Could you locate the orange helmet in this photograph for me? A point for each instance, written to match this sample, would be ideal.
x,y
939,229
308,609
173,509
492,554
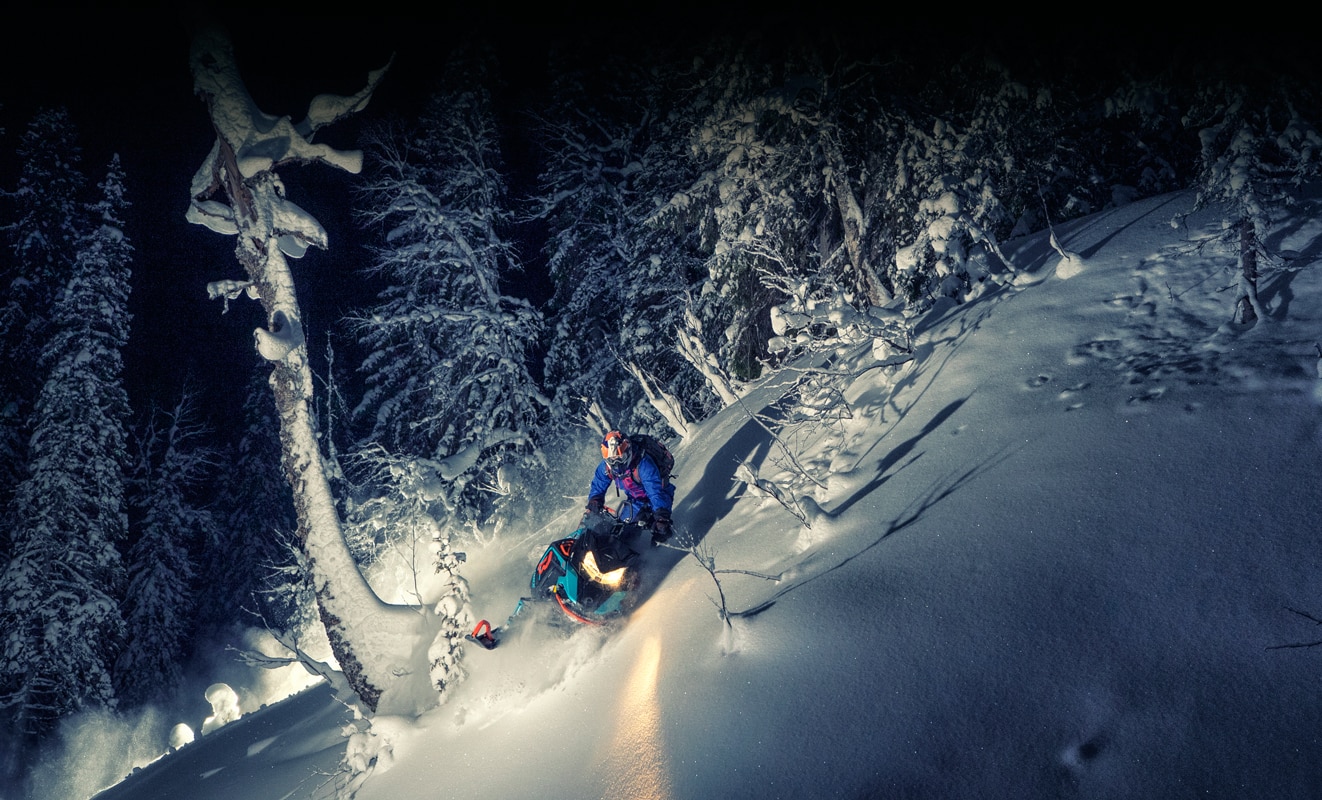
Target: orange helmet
x,y
615,449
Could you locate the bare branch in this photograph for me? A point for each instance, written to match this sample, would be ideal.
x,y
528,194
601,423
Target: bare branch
x,y
789,454
763,576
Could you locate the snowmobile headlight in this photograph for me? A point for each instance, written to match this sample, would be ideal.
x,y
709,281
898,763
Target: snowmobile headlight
x,y
594,572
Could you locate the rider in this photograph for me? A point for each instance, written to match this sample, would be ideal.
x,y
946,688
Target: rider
x,y
636,475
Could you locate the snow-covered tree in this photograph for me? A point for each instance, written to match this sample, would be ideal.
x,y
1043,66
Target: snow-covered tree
x,y
447,371
975,154
246,566
750,212
40,233
784,195
238,191
172,461
1258,147
1131,132
612,139
400,520
62,625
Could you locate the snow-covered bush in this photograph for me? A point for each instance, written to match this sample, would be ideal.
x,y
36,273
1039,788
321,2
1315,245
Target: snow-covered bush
x,y
826,320
1258,147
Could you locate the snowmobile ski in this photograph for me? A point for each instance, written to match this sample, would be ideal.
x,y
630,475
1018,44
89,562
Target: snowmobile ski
x,y
484,635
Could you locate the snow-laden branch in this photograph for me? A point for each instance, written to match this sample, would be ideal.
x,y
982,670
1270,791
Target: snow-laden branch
x,y
298,655
689,344
257,142
747,474
261,141
817,319
277,342
665,403
595,417
230,290
327,109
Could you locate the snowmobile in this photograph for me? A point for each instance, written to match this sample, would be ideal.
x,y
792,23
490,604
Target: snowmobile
x,y
591,574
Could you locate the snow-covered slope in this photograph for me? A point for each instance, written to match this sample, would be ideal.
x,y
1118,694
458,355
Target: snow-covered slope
x,y
1054,557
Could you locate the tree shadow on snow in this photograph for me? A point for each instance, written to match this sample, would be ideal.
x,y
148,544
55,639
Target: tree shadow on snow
x,y
896,454
695,513
697,519
912,512
698,512
1033,252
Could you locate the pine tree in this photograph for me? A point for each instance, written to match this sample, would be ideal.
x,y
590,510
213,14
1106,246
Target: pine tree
x,y
400,519
1126,142
787,146
62,622
247,565
44,230
975,153
447,370
41,238
749,215
172,463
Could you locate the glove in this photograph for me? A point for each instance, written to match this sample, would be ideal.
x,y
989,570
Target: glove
x,y
596,504
661,527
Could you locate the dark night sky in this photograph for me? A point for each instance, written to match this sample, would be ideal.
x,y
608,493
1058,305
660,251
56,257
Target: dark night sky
x,y
124,77
125,80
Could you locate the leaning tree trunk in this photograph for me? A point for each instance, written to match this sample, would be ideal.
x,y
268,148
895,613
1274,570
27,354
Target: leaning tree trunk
x,y
237,191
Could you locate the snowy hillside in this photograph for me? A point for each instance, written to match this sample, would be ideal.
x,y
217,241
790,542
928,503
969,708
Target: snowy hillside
x,y
1054,556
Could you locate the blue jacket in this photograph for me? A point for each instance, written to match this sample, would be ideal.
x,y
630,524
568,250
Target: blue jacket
x,y
646,487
